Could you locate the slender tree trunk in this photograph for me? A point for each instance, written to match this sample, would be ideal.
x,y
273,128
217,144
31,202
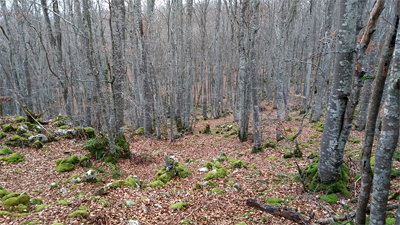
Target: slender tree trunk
x,y
117,20
243,132
188,69
255,10
387,142
373,110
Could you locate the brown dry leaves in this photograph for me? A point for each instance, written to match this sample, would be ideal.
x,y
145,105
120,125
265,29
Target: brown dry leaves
x,y
38,172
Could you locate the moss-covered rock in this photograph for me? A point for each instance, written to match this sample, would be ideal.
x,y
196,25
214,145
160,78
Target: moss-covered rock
x,y
3,193
139,131
64,165
9,128
5,150
14,158
217,191
21,130
37,145
132,181
17,141
36,201
238,164
339,185
84,162
331,199
198,186
272,200
222,157
20,119
179,205
80,212
270,144
156,183
85,132
2,135
61,120
288,155
20,203
241,223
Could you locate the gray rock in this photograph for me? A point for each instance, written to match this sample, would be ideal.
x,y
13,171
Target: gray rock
x,y
129,203
63,190
39,137
203,169
63,132
237,187
75,180
133,222
158,206
90,176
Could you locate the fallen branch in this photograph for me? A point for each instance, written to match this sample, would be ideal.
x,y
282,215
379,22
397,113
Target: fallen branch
x,y
286,213
351,215
394,196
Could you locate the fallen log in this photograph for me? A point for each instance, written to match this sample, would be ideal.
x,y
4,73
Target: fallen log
x,y
286,213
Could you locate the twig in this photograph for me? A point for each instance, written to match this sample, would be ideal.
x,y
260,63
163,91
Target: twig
x,y
199,208
329,211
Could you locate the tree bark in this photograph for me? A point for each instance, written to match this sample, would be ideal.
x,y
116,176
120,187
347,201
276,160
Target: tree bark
x,y
330,161
387,142
373,110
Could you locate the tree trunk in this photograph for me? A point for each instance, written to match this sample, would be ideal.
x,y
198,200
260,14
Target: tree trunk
x,y
387,142
330,161
243,132
117,20
253,71
373,110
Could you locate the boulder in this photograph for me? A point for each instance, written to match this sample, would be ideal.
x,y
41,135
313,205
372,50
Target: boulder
x,y
39,137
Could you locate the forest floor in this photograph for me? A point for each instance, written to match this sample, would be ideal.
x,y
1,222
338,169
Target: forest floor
x,y
267,174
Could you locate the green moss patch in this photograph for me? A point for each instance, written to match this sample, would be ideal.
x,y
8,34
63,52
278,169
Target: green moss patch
x,y
63,202
272,200
9,128
128,182
270,144
198,186
217,191
80,212
163,176
5,150
2,135
139,131
318,126
84,162
64,165
36,201
85,132
20,203
339,185
40,208
331,199
38,144
179,205
14,158
238,164
61,120
218,171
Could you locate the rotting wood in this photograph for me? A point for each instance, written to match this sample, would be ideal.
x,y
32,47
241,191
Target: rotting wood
x,y
286,213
